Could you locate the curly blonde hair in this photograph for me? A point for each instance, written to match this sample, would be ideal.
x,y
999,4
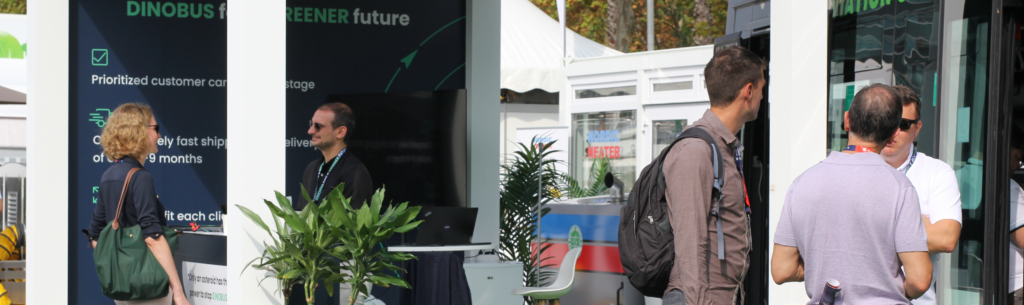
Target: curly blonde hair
x,y
125,132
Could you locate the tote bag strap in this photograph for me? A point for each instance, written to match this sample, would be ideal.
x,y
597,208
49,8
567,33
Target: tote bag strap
x,y
124,190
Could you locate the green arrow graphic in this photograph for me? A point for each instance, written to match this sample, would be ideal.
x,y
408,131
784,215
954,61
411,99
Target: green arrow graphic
x,y
93,200
392,79
408,59
95,189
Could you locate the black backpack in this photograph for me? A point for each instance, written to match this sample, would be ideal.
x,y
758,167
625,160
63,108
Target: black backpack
x,y
646,244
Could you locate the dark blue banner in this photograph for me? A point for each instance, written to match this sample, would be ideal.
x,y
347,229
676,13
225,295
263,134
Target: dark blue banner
x,y
171,56
374,55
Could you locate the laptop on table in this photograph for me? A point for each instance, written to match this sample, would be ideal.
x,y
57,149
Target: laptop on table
x,y
446,226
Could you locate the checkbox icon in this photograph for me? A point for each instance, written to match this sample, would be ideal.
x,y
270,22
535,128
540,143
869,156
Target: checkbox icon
x,y
100,57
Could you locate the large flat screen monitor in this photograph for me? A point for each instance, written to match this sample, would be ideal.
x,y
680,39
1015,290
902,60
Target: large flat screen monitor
x,y
413,144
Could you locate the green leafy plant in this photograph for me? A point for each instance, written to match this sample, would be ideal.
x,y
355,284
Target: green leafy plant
x,y
526,186
360,230
332,243
598,169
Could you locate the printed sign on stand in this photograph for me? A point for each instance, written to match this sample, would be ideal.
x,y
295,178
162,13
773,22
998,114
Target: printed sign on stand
x,y
544,135
205,283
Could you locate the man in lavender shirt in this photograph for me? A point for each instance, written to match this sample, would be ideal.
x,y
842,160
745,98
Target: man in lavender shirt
x,y
854,218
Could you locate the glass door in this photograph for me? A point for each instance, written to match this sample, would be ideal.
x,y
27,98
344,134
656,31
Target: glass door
x,y
974,114
608,136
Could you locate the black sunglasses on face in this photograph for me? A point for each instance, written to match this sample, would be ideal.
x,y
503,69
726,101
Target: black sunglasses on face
x,y
905,124
156,127
316,126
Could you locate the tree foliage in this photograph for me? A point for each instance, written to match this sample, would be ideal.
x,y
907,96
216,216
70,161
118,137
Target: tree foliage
x,y
676,24
13,6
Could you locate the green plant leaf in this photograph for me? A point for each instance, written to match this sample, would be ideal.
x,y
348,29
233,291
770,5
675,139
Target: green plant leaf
x,y
364,219
338,194
295,224
389,280
330,288
312,214
255,218
376,202
273,208
290,274
408,215
408,227
305,194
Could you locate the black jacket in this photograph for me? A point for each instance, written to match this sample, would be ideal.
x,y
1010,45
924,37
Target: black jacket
x,y
140,204
350,171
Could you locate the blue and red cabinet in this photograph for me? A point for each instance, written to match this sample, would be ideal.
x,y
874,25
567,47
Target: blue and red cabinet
x,y
599,273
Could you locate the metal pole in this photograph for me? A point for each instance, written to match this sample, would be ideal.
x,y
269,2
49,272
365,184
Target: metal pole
x,y
540,198
650,25
3,204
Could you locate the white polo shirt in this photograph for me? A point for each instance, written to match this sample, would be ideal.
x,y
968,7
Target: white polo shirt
x,y
939,195
1016,223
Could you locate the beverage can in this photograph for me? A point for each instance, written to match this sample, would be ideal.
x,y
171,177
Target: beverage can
x,y
832,288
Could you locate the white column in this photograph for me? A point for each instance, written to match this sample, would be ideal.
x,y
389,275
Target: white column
x,y
47,191
256,131
483,53
799,84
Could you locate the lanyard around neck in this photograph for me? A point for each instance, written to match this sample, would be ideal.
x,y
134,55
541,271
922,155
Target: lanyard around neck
x,y
316,197
913,157
860,149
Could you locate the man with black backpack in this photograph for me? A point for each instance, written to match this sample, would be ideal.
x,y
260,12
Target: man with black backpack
x,y
695,252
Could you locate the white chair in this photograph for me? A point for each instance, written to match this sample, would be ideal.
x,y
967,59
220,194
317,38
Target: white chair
x,y
562,284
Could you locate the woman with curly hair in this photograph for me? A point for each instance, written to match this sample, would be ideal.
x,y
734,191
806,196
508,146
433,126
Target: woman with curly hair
x,y
128,138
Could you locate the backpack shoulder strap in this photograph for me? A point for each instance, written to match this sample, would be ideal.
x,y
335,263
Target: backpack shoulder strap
x,y
718,170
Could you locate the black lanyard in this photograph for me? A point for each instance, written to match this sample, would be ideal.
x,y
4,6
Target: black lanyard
x,y
316,197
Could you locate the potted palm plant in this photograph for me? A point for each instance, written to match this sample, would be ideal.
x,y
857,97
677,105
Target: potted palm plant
x,y
332,243
528,183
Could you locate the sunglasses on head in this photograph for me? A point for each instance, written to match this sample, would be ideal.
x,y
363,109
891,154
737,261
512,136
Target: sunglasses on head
x,y
905,124
316,126
156,127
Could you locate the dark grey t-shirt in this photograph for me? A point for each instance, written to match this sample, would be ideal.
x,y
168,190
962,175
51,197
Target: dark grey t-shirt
x,y
849,216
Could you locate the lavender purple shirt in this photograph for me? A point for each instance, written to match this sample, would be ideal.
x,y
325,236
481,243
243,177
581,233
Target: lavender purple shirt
x,y
849,216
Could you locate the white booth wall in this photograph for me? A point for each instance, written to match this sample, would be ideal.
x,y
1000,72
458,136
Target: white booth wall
x,y
515,116
798,93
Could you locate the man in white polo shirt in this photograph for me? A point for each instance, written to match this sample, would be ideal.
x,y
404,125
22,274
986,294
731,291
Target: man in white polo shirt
x,y
935,181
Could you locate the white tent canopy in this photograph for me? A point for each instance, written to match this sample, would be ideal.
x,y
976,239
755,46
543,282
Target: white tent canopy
x,y
531,48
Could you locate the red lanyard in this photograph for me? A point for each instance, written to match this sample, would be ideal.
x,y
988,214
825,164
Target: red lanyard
x,y
860,149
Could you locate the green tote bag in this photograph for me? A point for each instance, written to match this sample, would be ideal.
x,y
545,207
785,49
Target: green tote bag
x,y
127,270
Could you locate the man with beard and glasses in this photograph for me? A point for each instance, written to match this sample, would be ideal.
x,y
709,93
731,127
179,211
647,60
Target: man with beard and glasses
x,y
332,123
